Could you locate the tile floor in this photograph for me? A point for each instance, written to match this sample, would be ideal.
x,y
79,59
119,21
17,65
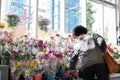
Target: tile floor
x,y
115,76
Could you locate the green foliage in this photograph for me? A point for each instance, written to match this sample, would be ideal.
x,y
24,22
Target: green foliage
x,y
90,18
7,54
12,20
116,56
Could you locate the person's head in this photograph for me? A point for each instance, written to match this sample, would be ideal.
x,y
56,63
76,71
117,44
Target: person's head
x,y
78,30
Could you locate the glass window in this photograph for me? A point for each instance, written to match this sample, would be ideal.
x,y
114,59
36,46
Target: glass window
x,y
104,21
72,18
56,14
45,10
98,17
110,24
19,7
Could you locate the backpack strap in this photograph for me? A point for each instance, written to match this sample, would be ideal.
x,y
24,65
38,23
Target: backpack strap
x,y
101,45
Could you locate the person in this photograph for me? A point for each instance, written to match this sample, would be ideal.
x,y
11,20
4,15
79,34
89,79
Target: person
x,y
91,46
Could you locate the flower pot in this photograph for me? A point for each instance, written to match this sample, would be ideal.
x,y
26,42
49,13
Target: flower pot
x,y
50,77
37,77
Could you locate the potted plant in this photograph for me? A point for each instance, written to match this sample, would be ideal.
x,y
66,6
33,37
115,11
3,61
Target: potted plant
x,y
43,23
12,20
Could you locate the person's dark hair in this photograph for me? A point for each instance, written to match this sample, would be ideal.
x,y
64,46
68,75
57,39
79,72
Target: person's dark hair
x,y
78,30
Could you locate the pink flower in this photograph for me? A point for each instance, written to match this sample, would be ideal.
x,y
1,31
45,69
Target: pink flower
x,y
59,55
40,43
1,39
52,37
46,56
111,48
66,74
46,21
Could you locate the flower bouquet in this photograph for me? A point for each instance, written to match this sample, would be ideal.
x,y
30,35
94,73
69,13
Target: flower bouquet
x,y
43,24
12,19
30,54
